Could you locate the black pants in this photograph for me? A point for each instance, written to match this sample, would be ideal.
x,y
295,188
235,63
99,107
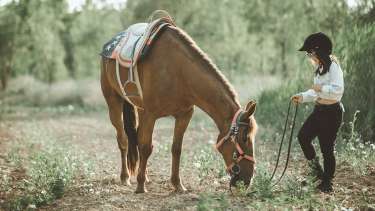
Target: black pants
x,y
323,123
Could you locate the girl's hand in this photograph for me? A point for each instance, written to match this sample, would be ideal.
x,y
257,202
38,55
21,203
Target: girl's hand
x,y
296,99
317,88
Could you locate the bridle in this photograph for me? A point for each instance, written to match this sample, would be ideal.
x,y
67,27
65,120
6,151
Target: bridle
x,y
232,135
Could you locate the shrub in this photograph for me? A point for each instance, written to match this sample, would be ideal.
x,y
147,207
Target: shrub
x,y
26,90
48,176
273,105
261,182
357,153
357,53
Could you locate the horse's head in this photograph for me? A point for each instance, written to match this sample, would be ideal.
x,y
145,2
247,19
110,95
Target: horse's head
x,y
237,148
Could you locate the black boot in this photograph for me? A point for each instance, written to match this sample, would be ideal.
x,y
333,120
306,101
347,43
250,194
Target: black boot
x,y
315,169
325,186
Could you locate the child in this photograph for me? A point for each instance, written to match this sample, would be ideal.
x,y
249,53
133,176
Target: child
x,y
326,118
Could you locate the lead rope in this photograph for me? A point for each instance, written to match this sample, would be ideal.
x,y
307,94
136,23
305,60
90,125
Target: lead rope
x,y
289,147
281,143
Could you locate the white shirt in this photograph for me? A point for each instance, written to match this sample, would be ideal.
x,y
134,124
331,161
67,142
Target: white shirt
x,y
332,85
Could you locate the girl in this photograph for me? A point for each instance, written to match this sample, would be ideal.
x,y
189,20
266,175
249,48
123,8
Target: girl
x,y
326,117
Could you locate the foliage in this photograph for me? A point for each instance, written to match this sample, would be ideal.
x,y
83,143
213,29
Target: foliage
x,y
48,176
352,150
212,202
47,169
206,161
50,42
241,36
74,93
358,60
273,115
262,184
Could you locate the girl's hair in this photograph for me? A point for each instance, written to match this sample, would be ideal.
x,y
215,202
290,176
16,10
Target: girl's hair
x,y
326,61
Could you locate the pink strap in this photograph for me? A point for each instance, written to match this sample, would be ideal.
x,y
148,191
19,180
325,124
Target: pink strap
x,y
239,149
235,116
247,157
228,134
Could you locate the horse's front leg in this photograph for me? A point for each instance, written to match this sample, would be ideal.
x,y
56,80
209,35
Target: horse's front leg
x,y
145,130
182,121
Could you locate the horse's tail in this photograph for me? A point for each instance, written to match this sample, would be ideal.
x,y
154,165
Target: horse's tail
x,y
130,126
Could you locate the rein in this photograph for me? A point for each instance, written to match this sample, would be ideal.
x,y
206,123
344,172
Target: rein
x,y
281,144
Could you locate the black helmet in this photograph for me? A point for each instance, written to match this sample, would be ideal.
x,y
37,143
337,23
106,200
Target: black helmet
x,y
317,42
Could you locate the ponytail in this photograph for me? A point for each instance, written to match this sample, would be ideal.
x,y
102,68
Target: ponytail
x,y
326,62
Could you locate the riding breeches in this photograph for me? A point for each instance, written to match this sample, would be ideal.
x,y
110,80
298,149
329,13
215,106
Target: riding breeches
x,y
324,123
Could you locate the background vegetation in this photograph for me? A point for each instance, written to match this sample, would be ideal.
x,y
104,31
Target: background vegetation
x,y
51,42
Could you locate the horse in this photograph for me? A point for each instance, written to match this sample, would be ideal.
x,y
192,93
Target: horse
x,y
175,76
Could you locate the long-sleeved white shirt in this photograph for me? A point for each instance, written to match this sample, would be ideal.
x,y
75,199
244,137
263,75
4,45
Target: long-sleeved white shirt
x,y
332,85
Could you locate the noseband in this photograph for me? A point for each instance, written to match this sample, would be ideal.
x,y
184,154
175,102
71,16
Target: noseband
x,y
232,135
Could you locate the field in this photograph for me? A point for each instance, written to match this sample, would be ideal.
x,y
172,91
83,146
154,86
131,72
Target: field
x,y
58,149
66,158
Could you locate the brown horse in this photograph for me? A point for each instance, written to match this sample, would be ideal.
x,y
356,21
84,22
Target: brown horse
x,y
175,76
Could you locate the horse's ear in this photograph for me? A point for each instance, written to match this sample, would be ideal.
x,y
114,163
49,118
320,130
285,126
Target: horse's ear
x,y
250,109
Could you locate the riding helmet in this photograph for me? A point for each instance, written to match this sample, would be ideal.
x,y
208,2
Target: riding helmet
x,y
317,42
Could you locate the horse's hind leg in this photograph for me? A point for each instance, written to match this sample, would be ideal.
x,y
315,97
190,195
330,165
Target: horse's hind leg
x,y
115,105
145,129
182,121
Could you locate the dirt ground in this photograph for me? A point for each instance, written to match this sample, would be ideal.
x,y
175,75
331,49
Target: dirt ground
x,y
92,135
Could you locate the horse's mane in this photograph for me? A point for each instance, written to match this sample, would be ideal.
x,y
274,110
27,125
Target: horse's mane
x,y
211,66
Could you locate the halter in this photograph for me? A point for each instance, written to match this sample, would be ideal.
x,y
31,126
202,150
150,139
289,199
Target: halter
x,y
234,168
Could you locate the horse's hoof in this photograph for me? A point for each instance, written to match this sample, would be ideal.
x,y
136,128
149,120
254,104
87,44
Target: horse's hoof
x,y
147,180
180,189
140,190
125,181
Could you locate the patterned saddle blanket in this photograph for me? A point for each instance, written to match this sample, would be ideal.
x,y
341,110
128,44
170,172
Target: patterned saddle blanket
x,y
131,45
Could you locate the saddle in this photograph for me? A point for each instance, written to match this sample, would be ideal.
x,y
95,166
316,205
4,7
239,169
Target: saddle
x,y
128,48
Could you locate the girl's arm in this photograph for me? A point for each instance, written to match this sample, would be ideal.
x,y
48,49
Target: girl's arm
x,y
308,96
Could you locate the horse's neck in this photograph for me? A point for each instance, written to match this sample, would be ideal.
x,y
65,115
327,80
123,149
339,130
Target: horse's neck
x,y
204,86
214,98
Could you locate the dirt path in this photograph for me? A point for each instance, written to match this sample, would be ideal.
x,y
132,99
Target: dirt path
x,y
92,135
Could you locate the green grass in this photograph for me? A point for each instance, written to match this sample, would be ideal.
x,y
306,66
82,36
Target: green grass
x,y
209,201
48,175
354,151
49,169
209,163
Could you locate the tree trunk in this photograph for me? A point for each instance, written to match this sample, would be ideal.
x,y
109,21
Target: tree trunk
x,y
5,76
284,65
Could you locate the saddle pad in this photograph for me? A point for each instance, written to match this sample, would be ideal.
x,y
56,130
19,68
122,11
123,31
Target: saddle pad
x,y
110,46
124,40
131,45
128,46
